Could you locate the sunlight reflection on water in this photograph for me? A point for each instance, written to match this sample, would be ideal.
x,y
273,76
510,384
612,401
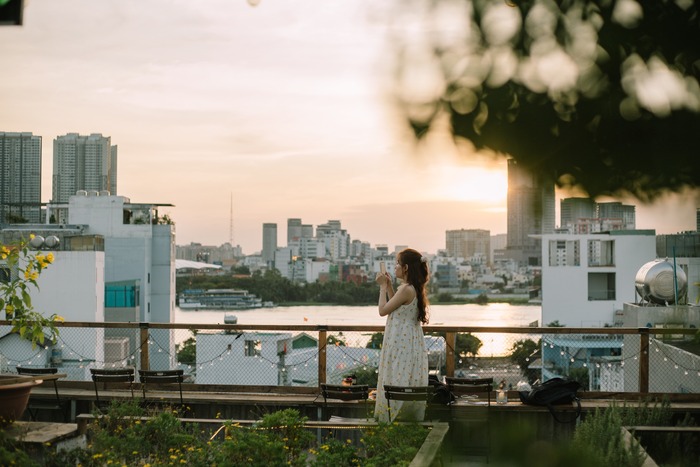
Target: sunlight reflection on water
x,y
493,314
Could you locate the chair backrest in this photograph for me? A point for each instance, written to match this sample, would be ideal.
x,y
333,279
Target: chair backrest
x,y
355,392
117,375
408,393
156,377
112,375
470,386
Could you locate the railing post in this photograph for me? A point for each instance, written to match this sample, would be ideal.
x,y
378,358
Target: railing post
x,y
450,340
644,360
322,340
143,339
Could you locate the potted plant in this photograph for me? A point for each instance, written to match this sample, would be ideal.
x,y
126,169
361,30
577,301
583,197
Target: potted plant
x,y
19,270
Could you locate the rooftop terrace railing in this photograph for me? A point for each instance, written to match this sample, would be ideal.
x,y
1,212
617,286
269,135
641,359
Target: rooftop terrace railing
x,y
606,360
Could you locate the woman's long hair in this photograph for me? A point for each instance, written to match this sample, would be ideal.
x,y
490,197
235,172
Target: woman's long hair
x,y
417,275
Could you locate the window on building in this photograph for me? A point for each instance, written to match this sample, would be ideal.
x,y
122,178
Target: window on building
x,y
601,286
253,348
564,253
601,253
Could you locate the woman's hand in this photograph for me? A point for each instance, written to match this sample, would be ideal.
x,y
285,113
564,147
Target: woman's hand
x,y
382,279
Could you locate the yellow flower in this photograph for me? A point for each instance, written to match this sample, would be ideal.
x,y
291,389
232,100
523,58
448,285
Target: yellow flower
x,y
97,456
31,236
49,258
60,319
39,257
173,457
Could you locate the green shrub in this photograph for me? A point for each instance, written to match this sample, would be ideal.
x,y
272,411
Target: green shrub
x,y
124,436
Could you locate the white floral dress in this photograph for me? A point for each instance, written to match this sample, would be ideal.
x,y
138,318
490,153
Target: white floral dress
x,y
403,362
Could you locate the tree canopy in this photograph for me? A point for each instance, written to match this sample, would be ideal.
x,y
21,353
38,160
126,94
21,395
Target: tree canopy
x,y
602,95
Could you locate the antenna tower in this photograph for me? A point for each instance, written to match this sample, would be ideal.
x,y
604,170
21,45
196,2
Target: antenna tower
x,y
230,226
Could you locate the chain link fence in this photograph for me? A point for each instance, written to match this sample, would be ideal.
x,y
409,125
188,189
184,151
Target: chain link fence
x,y
602,360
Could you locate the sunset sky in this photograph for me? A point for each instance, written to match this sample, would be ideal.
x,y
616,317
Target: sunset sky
x,y
284,106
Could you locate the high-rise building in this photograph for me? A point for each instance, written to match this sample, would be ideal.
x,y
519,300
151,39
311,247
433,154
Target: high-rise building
x,y
293,230
584,216
573,209
468,243
83,163
616,210
336,238
20,178
530,212
269,242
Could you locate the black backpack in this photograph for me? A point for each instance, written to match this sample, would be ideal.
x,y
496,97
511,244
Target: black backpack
x,y
555,391
441,394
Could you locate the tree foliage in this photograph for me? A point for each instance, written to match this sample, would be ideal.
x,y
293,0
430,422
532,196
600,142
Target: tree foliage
x,y
467,345
272,286
602,95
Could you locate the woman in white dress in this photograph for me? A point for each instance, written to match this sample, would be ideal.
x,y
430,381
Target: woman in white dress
x,y
404,359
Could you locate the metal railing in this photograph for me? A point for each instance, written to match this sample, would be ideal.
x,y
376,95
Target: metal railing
x,y
639,360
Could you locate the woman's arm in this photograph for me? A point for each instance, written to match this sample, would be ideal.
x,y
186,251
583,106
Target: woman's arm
x,y
403,296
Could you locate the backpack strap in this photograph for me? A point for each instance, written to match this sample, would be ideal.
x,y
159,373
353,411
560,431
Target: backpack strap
x,y
573,420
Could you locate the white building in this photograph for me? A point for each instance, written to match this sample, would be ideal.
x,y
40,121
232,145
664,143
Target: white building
x,y
137,248
586,278
73,287
247,358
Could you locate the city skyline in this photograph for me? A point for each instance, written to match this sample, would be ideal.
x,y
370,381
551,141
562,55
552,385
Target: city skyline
x,y
285,108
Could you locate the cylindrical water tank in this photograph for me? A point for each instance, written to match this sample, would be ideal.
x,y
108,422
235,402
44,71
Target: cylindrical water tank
x,y
655,282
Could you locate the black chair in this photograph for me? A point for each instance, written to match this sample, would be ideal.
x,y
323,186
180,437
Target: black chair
x,y
472,420
161,379
34,407
111,379
407,393
356,392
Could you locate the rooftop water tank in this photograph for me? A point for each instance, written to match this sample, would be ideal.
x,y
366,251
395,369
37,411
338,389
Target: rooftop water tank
x,y
654,282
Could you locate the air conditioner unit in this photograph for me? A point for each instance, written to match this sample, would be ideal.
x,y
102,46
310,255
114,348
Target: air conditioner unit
x,y
116,349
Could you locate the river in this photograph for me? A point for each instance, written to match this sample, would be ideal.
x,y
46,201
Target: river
x,y
493,314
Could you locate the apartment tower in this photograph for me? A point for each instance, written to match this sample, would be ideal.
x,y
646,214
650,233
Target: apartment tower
x,y
83,163
530,212
269,243
20,178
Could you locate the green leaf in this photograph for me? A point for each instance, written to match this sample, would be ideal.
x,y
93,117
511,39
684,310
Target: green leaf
x,y
27,299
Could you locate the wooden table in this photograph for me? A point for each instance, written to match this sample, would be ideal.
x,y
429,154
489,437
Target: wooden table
x,y
24,378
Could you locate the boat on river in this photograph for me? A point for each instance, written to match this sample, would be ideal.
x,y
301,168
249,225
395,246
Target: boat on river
x,y
218,299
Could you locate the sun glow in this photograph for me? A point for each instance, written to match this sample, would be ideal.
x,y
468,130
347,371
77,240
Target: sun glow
x,y
473,184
